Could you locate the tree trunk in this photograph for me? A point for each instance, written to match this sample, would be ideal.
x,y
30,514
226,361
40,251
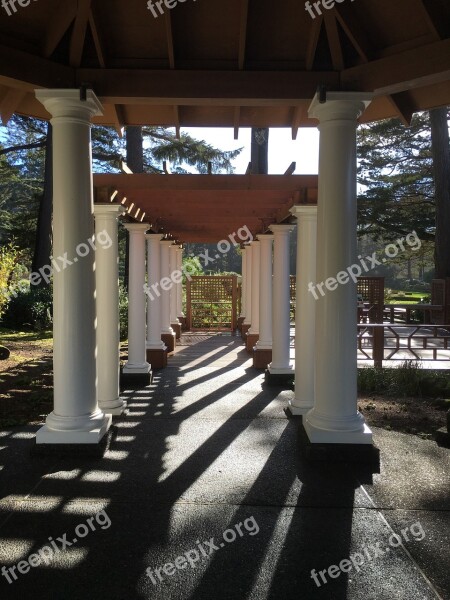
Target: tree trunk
x,y
441,165
260,151
43,243
135,162
135,150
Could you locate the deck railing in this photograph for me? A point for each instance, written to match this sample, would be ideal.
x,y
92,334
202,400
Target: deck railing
x,y
378,342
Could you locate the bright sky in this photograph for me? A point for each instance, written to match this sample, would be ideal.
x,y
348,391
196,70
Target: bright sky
x,y
282,150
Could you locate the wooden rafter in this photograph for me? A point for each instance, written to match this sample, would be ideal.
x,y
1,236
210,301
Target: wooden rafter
x,y
352,30
428,19
10,103
297,115
331,26
243,34
119,119
176,111
171,58
79,33
402,107
236,121
99,46
313,40
57,27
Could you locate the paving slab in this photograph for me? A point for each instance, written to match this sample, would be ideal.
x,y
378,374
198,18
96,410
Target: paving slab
x,y
206,467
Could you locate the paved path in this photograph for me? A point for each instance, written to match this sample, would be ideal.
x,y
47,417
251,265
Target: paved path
x,y
205,467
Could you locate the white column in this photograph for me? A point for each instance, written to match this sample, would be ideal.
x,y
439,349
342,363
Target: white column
x,y
265,293
244,282
180,313
108,329
154,341
335,417
173,265
248,285
137,362
281,364
254,329
76,417
165,283
305,312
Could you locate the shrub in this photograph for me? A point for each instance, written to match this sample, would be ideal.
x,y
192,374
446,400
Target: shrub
x,y
123,312
30,307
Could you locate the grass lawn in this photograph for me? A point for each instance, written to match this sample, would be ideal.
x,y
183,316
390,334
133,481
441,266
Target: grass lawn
x,y
407,297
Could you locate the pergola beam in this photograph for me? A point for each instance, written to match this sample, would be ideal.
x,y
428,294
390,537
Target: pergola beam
x,y
147,182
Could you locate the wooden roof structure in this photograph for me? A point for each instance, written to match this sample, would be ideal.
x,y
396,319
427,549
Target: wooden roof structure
x,y
239,63
206,208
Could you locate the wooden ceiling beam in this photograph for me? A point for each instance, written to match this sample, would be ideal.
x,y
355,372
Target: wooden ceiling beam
x,y
79,33
427,65
206,88
27,71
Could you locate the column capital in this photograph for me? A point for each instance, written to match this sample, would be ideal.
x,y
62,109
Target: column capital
x,y
265,237
339,105
112,211
283,229
66,104
136,227
305,211
154,237
167,242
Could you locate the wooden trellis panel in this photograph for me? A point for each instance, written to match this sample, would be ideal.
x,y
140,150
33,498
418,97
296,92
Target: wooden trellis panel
x,y
212,303
372,291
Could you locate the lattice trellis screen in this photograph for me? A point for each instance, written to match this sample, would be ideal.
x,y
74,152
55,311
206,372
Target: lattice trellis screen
x,y
212,303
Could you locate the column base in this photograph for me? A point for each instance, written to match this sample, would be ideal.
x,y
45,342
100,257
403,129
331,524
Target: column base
x,y
250,341
157,358
136,375
280,377
298,411
367,454
244,329
177,329
261,357
116,410
336,433
169,340
442,437
240,322
85,431
183,322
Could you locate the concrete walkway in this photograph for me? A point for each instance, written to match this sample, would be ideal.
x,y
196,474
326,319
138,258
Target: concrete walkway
x,y
205,470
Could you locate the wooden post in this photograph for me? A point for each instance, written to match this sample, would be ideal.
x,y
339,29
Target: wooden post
x,y
188,305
